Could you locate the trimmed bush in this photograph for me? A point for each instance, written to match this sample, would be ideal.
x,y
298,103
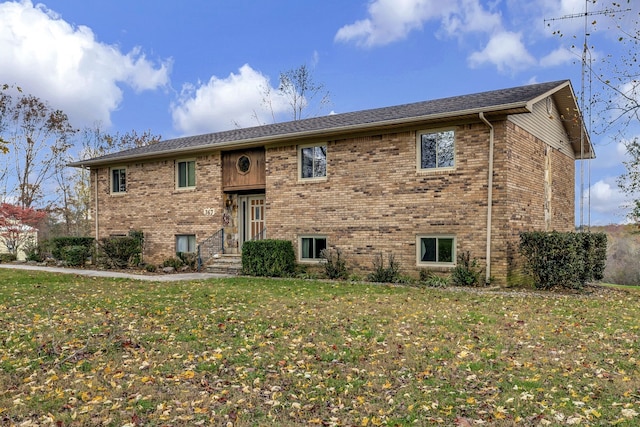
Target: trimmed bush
x,y
565,260
75,256
121,251
271,258
57,245
466,272
382,274
335,266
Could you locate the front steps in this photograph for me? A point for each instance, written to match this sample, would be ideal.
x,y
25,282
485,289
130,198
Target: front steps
x,y
225,264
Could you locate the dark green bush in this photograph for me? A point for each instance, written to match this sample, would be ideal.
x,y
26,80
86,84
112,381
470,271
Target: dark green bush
x,y
382,274
7,257
120,251
565,260
467,272
75,256
335,266
57,244
272,258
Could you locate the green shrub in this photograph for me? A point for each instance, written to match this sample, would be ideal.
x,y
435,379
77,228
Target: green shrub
x,y
433,280
272,258
75,256
57,244
467,272
189,259
151,268
335,266
120,251
7,257
565,260
35,251
176,263
382,274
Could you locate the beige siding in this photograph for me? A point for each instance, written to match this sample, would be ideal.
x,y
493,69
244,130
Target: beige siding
x,y
546,126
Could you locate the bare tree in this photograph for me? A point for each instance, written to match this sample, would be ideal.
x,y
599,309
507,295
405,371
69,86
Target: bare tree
x,y
304,96
74,184
37,137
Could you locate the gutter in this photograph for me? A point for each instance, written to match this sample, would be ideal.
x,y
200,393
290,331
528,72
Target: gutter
x,y
96,203
489,196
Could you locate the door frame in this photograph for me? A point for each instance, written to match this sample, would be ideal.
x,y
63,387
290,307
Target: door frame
x,y
247,217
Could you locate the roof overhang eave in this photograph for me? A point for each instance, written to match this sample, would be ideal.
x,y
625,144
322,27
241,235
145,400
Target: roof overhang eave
x,y
506,109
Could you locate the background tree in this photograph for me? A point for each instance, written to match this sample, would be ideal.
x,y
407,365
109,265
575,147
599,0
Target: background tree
x,y
18,225
38,136
73,205
298,89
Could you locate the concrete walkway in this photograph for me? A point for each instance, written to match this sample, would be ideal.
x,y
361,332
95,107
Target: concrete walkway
x,y
117,274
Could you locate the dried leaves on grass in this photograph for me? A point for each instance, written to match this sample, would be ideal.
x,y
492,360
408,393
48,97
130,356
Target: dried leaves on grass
x,y
80,351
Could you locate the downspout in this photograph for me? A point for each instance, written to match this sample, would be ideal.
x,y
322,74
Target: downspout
x,y
96,204
489,196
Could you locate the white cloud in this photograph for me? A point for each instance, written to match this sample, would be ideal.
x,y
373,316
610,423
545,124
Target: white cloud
x,y
607,199
392,20
226,103
559,56
66,66
506,51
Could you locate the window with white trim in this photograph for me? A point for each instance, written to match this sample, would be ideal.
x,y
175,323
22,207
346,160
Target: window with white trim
x,y
186,173
311,247
436,149
119,180
312,162
186,243
436,250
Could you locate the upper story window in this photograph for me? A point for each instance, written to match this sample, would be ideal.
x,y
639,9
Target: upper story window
x,y
312,161
186,243
436,149
118,180
186,171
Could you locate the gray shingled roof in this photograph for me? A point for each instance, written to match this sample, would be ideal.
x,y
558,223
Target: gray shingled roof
x,y
512,100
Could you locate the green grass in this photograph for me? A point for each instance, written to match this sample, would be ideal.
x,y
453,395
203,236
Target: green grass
x,y
86,351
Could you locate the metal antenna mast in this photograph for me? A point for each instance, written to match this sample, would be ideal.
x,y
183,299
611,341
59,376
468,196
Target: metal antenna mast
x,y
586,67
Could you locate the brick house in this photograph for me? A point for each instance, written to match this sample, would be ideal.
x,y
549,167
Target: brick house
x,y
423,181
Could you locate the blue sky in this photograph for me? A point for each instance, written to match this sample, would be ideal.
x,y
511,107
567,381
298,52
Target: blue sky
x,y
197,66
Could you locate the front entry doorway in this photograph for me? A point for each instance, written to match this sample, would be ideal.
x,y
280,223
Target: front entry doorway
x,y
251,225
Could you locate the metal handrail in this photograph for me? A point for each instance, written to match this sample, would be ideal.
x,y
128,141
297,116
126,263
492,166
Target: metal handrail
x,y
210,247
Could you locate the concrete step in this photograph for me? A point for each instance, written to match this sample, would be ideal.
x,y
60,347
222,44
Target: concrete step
x,y
225,264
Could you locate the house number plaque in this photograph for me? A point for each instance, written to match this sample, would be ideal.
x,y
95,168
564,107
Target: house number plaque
x,y
209,211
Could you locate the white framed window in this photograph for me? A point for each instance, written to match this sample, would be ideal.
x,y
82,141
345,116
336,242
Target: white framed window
x,y
186,243
311,247
436,149
436,250
312,162
118,180
186,173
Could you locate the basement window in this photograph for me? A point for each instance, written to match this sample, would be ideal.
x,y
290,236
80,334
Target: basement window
x,y
436,250
311,247
186,243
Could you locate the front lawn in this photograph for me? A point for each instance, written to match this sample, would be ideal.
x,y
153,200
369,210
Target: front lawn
x,y
83,351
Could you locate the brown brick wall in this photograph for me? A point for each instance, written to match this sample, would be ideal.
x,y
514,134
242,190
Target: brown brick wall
x,y
374,201
154,205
